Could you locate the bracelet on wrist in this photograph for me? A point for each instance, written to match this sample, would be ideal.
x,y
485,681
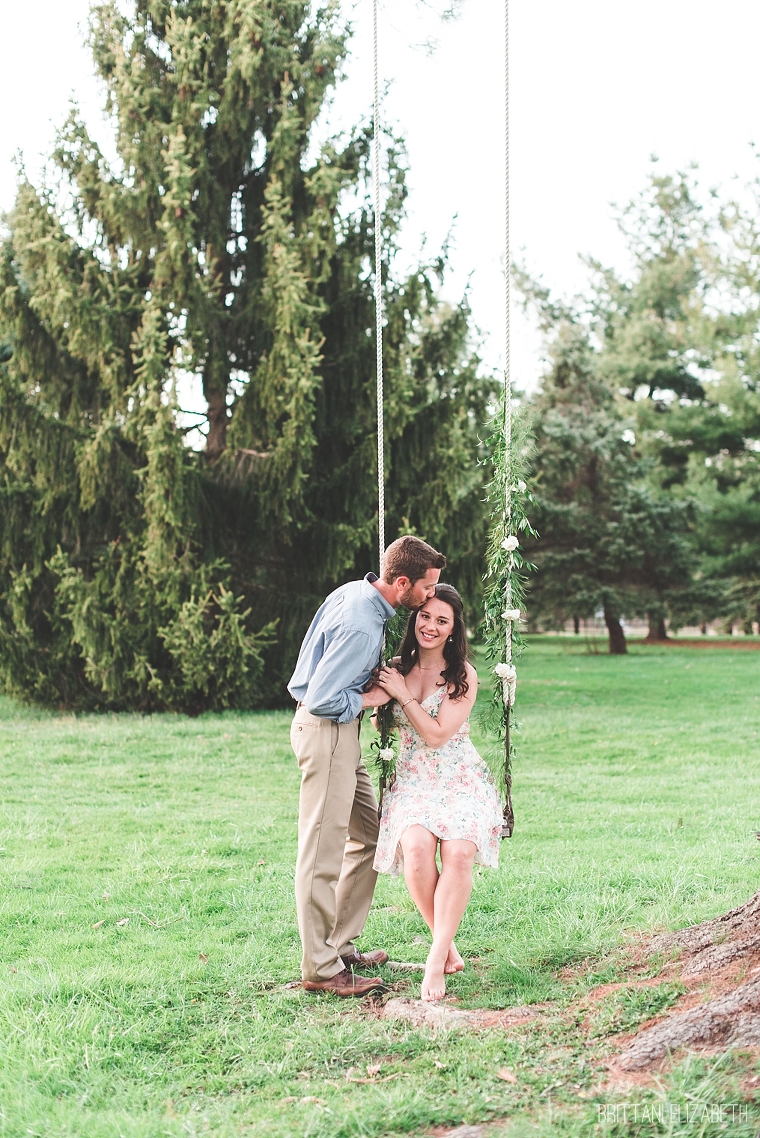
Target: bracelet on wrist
x,y
412,699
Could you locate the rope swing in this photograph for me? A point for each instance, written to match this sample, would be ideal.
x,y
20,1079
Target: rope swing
x,y
504,585
509,683
507,378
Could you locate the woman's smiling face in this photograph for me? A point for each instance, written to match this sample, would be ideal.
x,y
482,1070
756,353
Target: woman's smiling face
x,y
434,623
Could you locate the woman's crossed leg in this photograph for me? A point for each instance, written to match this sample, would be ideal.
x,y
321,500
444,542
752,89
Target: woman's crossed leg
x,y
440,897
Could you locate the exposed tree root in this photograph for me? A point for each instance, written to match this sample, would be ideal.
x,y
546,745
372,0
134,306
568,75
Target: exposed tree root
x,y
714,944
461,1132
730,1020
722,953
424,1013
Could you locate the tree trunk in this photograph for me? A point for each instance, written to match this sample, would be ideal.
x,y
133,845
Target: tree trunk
x,y
618,646
704,630
576,625
657,629
218,418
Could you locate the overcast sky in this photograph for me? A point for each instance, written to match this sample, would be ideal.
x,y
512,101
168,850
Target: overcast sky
x,y
597,87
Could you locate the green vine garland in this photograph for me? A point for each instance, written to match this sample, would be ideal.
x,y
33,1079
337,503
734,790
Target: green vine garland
x,y
383,748
505,579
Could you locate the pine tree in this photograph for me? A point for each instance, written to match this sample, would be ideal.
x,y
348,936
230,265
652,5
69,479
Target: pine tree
x,y
607,541
679,341
133,571
655,338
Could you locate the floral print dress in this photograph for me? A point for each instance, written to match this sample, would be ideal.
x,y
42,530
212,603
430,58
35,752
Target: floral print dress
x,y
449,791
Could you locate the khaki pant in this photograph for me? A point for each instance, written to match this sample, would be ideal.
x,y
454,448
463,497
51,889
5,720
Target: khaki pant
x,y
337,836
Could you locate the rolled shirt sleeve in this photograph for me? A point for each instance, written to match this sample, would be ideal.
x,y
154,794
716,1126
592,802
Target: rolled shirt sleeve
x,y
335,689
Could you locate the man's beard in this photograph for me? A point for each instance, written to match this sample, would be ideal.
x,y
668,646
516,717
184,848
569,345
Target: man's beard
x,y
407,598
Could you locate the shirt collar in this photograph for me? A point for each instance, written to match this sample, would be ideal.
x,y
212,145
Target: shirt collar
x,y
385,609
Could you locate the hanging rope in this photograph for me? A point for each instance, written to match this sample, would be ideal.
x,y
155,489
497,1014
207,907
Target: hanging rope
x,y
508,823
507,381
379,312
385,754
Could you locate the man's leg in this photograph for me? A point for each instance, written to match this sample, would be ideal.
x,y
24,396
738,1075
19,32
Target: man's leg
x,y
357,877
328,754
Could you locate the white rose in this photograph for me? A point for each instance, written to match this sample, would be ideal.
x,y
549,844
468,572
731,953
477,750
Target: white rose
x,y
511,614
507,673
386,754
510,543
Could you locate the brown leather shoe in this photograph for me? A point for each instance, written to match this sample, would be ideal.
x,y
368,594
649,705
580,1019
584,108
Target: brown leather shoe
x,y
365,959
345,983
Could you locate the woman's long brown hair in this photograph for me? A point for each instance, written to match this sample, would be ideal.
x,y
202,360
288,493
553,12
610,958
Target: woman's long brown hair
x,y
455,651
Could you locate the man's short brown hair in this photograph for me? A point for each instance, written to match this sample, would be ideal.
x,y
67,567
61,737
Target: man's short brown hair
x,y
410,557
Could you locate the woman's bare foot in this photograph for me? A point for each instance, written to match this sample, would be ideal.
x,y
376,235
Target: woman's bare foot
x,y
433,982
454,961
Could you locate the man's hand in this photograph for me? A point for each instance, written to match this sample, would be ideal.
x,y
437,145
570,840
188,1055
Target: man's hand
x,y
375,697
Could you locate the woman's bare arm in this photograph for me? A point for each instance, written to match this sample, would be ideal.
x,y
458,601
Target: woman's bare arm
x,y
451,714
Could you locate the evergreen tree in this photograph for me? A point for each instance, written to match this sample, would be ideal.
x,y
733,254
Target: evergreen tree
x,y
666,359
655,340
679,341
607,542
133,571
716,443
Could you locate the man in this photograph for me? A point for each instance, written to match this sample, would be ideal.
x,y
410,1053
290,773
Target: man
x,y
337,816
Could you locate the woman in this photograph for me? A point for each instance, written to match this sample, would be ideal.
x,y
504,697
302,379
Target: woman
x,y
443,791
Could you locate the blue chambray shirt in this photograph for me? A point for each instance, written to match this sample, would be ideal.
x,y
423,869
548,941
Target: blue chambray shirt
x,y
340,650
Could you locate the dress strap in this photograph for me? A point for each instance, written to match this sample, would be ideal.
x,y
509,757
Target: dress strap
x,y
438,695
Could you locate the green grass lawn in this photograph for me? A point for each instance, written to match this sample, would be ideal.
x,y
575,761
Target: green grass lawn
x,y
149,926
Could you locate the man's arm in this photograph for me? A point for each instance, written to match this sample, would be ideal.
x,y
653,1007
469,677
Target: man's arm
x,y
334,691
375,697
